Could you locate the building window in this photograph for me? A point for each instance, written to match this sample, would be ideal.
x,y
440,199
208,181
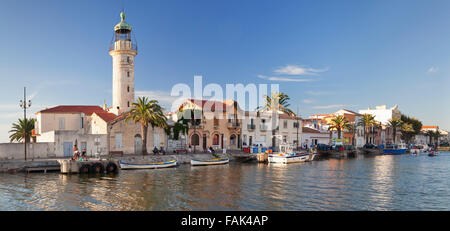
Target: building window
x,y
128,103
285,124
128,59
128,74
118,140
128,88
296,124
82,122
216,139
284,139
62,123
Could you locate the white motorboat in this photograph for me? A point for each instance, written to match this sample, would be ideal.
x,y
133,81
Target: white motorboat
x,y
287,156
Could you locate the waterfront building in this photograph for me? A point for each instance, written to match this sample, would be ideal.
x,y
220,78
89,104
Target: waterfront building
x,y
125,137
215,124
311,136
257,129
66,125
382,133
353,136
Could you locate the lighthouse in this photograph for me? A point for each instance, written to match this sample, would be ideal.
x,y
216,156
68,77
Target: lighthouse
x,y
123,49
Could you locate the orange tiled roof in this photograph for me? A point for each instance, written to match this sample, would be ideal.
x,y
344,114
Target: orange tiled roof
x,y
88,110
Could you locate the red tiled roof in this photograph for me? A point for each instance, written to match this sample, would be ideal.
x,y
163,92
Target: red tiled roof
x,y
429,127
106,116
88,110
309,130
211,103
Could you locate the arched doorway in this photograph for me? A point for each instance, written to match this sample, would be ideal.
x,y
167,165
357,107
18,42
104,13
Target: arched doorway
x,y
137,144
233,141
195,140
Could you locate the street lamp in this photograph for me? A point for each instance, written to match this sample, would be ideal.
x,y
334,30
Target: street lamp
x,y
23,104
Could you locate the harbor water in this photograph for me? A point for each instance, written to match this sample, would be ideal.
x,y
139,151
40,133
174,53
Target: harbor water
x,y
402,182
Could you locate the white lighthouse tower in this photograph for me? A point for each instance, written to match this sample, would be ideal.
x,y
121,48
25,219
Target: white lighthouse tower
x,y
123,50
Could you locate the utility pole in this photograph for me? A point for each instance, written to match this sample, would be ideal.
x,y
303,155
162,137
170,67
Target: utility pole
x,y
298,125
23,104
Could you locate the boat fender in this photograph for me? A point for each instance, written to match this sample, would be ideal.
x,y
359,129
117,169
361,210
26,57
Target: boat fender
x,y
85,168
111,168
98,168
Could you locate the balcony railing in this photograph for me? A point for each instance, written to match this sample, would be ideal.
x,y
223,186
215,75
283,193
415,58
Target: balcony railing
x,y
251,127
233,125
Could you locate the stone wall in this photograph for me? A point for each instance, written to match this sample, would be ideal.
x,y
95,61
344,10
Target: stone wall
x,y
15,151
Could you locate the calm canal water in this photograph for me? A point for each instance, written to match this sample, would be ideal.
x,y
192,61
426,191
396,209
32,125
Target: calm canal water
x,y
366,183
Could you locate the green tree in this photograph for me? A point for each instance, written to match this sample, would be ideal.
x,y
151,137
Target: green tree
x,y
367,121
147,112
395,123
410,128
277,102
22,129
339,123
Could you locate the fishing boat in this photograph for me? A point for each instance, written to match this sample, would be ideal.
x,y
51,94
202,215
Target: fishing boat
x,y
287,156
394,149
127,165
223,160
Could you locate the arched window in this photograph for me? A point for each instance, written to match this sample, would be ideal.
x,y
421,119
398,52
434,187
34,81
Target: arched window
x,y
216,139
195,140
128,88
233,139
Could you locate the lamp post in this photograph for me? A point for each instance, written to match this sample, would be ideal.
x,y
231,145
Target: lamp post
x,y
24,105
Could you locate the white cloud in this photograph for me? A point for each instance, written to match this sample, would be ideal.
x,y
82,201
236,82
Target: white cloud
x,y
308,101
284,79
432,69
296,70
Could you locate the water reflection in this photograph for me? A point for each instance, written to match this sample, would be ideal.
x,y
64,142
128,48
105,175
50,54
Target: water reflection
x,y
379,183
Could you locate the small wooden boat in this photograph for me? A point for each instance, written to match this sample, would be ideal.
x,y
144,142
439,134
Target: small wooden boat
x,y
127,165
224,160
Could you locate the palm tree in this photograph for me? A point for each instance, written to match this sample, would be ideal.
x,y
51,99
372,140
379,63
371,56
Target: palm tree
x,y
147,112
339,123
395,123
22,129
430,134
277,102
367,121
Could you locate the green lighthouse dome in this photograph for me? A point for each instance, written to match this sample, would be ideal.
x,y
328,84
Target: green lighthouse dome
x,y
122,27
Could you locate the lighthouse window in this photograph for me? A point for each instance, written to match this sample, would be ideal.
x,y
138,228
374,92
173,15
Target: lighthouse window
x,y
128,103
128,88
128,74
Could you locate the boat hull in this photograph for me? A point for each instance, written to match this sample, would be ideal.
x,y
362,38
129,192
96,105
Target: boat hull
x,y
217,161
288,159
168,164
394,151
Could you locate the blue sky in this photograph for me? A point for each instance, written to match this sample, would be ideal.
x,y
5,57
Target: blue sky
x,y
359,53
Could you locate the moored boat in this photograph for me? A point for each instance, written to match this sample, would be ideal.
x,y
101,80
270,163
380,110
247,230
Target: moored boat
x,y
288,158
223,160
128,165
395,149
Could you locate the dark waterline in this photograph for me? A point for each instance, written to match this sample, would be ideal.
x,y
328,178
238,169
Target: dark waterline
x,y
402,182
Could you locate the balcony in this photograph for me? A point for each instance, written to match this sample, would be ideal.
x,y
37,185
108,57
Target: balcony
x,y
263,127
233,125
251,127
